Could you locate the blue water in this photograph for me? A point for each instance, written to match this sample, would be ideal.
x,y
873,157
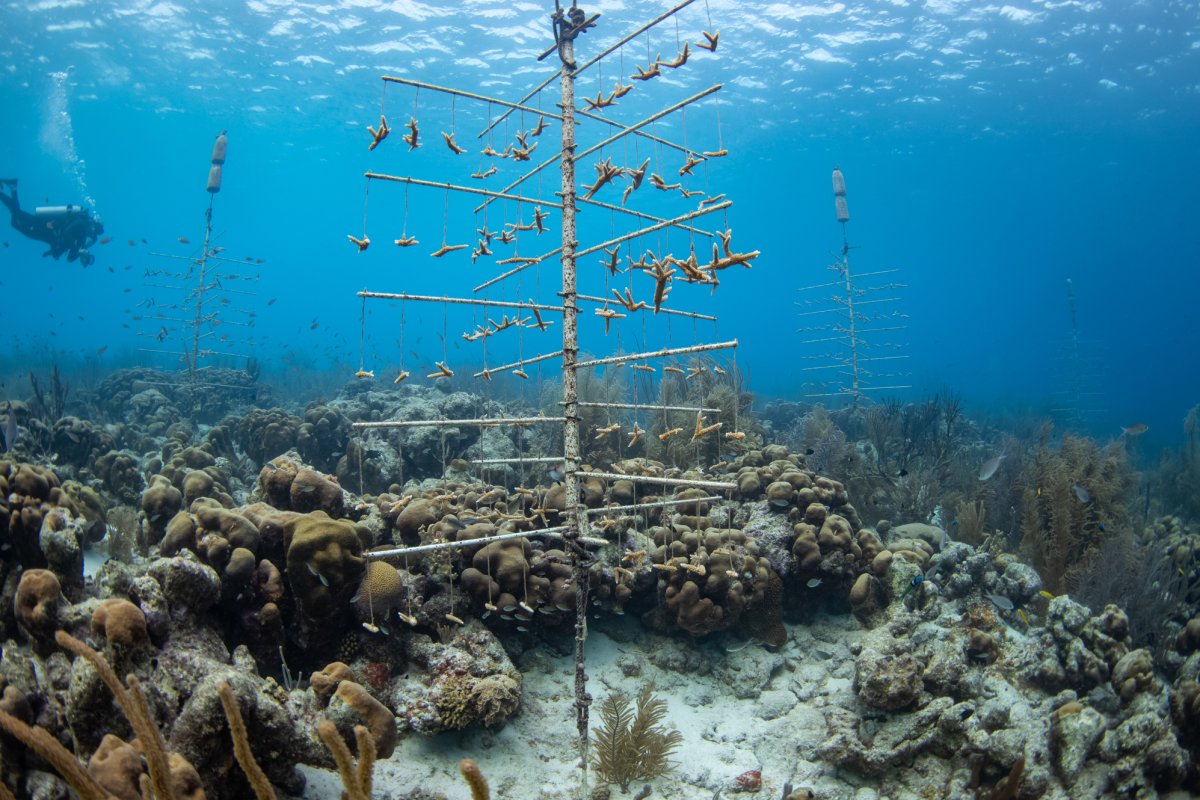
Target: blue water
x,y
990,155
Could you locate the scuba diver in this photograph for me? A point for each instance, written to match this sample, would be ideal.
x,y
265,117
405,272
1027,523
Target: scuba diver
x,y
67,229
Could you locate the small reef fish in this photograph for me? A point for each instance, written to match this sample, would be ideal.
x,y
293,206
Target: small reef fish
x,y
1000,601
917,580
990,466
1136,429
1081,493
324,581
813,583
184,240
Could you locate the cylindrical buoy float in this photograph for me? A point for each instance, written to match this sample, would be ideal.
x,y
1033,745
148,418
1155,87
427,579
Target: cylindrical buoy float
x,y
218,158
214,179
839,196
218,155
839,183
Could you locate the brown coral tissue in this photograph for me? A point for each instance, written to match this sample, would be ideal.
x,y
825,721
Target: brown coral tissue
x,y
377,674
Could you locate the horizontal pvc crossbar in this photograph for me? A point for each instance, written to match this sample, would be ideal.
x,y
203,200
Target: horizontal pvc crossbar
x,y
719,486
667,353
449,423
675,501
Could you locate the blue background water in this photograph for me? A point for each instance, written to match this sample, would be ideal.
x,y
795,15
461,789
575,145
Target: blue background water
x,y
989,154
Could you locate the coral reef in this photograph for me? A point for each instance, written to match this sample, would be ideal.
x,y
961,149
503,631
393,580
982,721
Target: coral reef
x,y
945,664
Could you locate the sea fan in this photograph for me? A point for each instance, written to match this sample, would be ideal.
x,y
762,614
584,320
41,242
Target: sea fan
x,y
631,744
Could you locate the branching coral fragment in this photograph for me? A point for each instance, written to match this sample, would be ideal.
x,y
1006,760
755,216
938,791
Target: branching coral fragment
x,y
379,135
448,138
412,138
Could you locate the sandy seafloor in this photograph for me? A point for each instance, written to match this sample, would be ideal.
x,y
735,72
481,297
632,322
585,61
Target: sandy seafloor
x,y
738,710
741,710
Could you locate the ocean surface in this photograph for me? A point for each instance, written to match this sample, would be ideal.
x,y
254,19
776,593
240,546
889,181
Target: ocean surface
x,y
991,152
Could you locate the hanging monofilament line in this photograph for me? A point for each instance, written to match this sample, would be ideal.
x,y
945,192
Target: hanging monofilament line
x,y
362,333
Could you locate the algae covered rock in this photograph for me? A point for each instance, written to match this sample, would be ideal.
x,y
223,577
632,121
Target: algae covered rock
x,y
890,682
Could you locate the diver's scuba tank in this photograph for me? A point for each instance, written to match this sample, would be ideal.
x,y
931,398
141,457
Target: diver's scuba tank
x,y
58,212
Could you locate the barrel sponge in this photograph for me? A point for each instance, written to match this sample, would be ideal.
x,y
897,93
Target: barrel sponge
x,y
379,720
117,766
120,621
325,682
324,556
379,592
